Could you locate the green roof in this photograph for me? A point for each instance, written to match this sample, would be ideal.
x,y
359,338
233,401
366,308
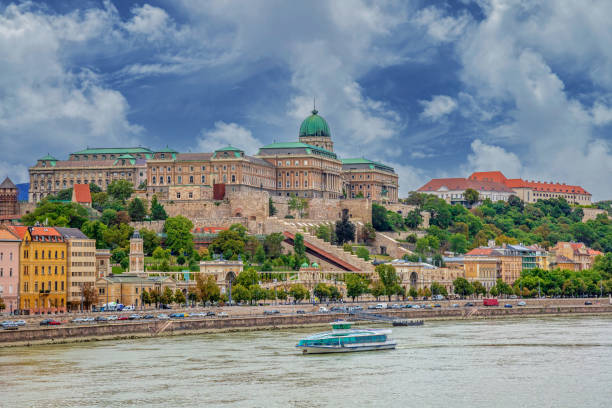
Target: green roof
x,y
126,156
114,150
294,145
314,125
48,157
371,163
228,149
167,150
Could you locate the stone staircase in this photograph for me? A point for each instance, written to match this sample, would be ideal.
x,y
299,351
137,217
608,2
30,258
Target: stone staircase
x,y
296,227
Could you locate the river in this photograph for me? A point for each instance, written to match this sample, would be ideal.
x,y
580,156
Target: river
x,y
522,362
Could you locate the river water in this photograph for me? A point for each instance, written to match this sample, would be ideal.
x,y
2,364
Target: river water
x,y
528,362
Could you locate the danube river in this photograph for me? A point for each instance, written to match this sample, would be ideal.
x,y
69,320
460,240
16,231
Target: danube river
x,y
528,362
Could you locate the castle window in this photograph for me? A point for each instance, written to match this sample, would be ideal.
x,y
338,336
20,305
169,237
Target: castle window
x,y
178,194
190,179
169,180
203,179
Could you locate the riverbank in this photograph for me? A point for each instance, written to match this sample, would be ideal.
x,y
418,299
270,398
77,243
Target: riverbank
x,y
188,326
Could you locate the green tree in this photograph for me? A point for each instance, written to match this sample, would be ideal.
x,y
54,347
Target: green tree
x,y
150,240
324,232
380,221
56,214
167,296
298,245
471,196
240,294
377,289
260,255
458,243
298,204
321,291
118,236
178,234
388,277
272,244
230,243
94,188
462,287
160,253
145,298
281,294
157,210
207,289
137,210
413,292
95,230
345,230
298,292
271,208
180,259
355,285
363,253
179,297
109,217
413,219
438,289
368,233
248,277
120,190
479,288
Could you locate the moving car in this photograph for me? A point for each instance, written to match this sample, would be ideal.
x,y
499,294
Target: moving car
x,y
177,315
102,319
455,305
148,316
508,305
135,316
222,314
112,317
210,313
323,309
300,312
20,322
588,302
163,316
123,318
271,312
521,303
10,326
469,304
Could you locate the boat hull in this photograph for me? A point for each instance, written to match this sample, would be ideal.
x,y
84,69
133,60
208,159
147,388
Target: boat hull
x,y
347,349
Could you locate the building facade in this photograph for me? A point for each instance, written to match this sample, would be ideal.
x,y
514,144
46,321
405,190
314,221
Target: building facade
x,y
81,265
577,252
43,265
136,253
9,270
127,288
224,271
369,179
9,206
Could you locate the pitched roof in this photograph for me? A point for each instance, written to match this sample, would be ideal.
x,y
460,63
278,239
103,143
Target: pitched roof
x,y
71,233
48,157
297,145
373,164
44,231
114,150
18,230
7,183
549,187
6,235
81,193
460,184
481,251
496,176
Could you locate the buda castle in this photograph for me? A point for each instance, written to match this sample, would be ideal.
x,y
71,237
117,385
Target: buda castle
x,y
307,168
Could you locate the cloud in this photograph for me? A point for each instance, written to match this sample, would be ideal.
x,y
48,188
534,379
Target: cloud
x,y
441,27
488,158
437,107
602,114
225,134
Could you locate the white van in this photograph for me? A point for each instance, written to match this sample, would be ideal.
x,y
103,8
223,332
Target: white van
x,y
381,306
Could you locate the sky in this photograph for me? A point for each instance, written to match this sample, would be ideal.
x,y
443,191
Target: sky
x,y
435,89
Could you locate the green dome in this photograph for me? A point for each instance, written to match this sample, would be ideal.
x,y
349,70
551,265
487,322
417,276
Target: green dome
x,y
315,265
305,265
314,125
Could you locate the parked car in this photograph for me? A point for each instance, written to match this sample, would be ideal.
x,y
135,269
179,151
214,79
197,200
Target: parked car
x,y
396,306
521,303
271,312
88,320
371,307
128,308
437,305
10,326
135,316
163,316
438,297
20,322
165,307
455,305
588,302
357,307
50,322
112,317
300,312
323,309
508,306
469,304
416,307
381,306
513,297
407,306
78,320
197,314
210,313
148,316
177,315
222,314
123,318
101,319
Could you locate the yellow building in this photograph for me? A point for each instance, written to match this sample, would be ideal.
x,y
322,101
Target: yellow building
x,y
43,269
81,265
127,288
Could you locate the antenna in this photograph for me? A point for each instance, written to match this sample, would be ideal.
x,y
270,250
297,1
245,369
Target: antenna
x,y
314,103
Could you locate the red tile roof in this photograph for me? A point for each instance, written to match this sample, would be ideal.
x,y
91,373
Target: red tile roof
x,y
496,176
547,187
6,235
19,230
480,251
81,193
457,184
44,231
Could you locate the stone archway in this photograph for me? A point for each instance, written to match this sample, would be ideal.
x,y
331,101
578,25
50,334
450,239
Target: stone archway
x,y
414,278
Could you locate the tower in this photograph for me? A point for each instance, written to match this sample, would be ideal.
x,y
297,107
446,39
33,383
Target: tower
x,y
136,253
315,131
9,207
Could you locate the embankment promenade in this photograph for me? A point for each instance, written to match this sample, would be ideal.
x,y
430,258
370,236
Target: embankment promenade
x,y
70,332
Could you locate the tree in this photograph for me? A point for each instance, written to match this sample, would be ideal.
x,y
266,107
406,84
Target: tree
x,y
298,292
178,234
157,210
378,289
248,277
57,214
94,188
324,232
458,243
207,289
181,259
363,253
120,190
2,304
298,245
413,219
462,287
230,243
479,288
379,218
298,204
345,230
271,208
240,293
368,233
471,196
438,289
413,292
321,291
388,277
145,298
137,210
90,295
167,296
272,244
118,236
160,253
95,230
416,198
281,294
123,217
179,297
355,285
260,255
109,217
150,240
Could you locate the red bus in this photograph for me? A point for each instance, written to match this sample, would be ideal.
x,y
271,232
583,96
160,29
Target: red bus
x,y
490,302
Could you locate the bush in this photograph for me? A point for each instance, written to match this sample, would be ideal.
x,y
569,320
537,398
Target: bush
x,y
363,253
347,248
289,217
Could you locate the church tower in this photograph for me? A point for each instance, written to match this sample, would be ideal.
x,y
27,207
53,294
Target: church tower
x,y
136,253
315,131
